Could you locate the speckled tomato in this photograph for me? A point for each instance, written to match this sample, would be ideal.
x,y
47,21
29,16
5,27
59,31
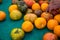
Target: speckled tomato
x,y
50,36
47,15
22,6
15,15
30,17
17,34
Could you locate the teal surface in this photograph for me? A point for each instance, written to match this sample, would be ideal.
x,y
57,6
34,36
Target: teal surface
x,y
7,25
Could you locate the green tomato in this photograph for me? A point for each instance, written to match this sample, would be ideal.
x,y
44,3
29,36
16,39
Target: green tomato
x,y
22,6
15,15
17,34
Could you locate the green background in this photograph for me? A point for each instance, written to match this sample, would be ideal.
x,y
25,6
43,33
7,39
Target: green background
x,y
7,25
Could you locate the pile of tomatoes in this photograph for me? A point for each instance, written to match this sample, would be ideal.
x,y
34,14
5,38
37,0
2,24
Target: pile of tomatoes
x,y
35,14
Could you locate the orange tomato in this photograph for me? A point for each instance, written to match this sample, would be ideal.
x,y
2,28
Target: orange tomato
x,y
47,15
44,6
51,24
27,26
40,23
57,30
13,7
57,17
2,15
35,6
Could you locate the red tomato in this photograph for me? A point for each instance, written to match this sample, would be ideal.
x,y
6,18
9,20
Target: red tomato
x,y
50,36
29,2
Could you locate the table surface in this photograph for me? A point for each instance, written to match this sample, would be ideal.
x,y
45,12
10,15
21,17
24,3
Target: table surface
x,y
7,25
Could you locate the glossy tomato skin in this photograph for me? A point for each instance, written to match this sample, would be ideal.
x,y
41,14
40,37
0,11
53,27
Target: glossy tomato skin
x,y
29,2
50,36
2,15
